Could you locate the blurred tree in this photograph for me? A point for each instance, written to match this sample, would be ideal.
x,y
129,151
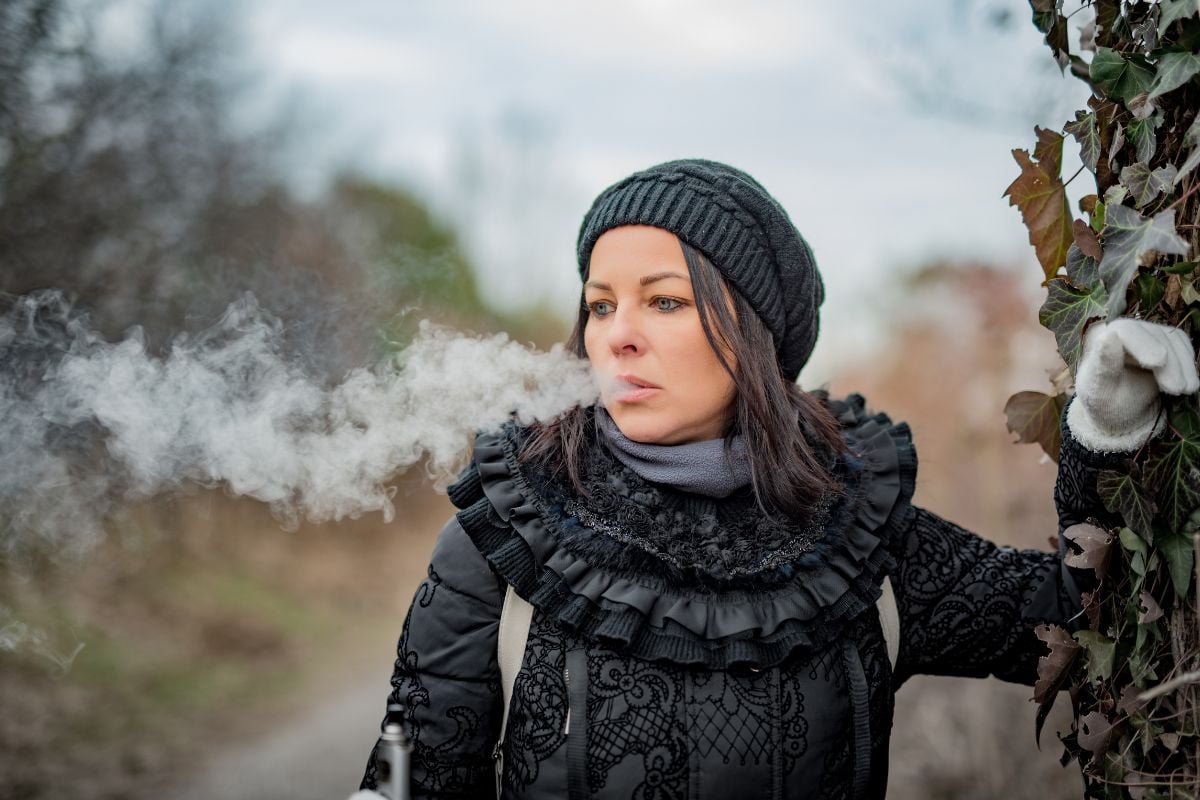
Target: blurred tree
x,y
962,335
126,180
417,256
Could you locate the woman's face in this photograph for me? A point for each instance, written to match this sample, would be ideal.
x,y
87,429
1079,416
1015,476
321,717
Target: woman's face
x,y
659,378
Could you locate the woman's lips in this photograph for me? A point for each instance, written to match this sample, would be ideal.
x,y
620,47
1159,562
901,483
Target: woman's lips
x,y
628,389
635,393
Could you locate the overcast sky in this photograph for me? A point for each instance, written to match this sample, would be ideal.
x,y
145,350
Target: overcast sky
x,y
885,129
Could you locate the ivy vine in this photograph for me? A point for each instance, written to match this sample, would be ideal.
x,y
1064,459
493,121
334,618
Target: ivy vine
x,y
1133,672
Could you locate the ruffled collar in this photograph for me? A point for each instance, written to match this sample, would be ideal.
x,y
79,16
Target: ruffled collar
x,y
668,575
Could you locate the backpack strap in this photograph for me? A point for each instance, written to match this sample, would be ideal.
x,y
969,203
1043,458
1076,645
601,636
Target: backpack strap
x,y
515,616
889,620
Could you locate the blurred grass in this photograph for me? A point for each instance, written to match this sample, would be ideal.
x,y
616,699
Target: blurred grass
x,y
201,623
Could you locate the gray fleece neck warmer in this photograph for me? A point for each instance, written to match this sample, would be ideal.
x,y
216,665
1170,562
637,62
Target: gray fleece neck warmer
x,y
698,467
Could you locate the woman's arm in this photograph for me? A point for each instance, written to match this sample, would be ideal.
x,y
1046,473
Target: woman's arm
x,y
968,606
446,678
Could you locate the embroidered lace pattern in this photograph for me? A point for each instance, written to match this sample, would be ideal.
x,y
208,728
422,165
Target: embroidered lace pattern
x,y
633,707
437,767
665,715
539,709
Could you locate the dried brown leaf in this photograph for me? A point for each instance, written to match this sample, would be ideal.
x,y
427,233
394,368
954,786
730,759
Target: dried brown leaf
x,y
1130,703
1095,547
1150,609
1173,293
1091,608
1053,670
1087,240
1061,380
1095,732
1035,417
1054,667
1041,197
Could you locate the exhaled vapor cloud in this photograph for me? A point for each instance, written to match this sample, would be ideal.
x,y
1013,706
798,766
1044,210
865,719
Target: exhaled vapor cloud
x,y
87,423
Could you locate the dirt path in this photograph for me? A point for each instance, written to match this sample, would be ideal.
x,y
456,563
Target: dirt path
x,y
315,754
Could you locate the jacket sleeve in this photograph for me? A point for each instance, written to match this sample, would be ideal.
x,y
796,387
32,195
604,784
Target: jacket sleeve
x,y
446,677
968,607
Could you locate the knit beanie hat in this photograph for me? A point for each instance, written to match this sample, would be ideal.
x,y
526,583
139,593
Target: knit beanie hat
x,y
740,228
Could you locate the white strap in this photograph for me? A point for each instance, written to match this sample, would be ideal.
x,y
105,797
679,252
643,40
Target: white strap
x,y
515,616
889,620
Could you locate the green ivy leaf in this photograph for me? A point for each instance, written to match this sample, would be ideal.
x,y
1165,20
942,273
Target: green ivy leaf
x,y
1190,139
1174,70
1035,417
1181,267
1144,139
1171,10
1174,469
1121,494
1083,270
1179,553
1118,77
1189,294
1102,653
1066,312
1144,185
1150,290
1141,660
1133,543
1128,236
1185,419
1114,149
1087,133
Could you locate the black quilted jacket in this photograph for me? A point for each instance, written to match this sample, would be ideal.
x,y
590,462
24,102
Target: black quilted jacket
x,y
686,649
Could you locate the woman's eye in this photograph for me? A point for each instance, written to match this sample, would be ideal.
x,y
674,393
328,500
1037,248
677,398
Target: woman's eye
x,y
600,308
667,303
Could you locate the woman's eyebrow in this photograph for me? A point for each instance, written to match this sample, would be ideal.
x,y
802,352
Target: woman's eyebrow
x,y
644,280
658,276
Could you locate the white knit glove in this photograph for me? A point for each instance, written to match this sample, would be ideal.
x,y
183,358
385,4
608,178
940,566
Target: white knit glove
x,y
1125,364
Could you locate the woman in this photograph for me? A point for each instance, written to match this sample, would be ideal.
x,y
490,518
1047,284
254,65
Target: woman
x,y
705,551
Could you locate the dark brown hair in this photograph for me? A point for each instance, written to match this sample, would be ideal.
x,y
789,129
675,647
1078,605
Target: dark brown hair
x,y
789,433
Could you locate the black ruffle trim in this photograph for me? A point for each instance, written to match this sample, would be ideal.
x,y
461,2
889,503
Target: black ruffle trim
x,y
717,629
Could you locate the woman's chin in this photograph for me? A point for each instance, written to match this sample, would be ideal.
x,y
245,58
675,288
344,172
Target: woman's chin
x,y
647,427
640,426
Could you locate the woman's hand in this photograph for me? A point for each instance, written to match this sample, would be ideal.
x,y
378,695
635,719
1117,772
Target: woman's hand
x,y
1126,363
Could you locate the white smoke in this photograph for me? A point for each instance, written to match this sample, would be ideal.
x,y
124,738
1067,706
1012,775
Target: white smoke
x,y
85,423
16,635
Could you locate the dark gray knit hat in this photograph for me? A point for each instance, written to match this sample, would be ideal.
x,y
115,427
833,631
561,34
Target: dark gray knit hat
x,y
744,232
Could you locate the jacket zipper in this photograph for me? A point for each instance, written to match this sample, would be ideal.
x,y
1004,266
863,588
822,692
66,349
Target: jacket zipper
x,y
575,677
567,683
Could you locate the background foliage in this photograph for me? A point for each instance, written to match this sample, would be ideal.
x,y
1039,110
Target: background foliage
x,y
1131,671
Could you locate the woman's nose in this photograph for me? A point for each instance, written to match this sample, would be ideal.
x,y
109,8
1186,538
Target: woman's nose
x,y
624,333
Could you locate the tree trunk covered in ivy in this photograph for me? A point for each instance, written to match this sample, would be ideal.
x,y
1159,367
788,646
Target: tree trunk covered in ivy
x,y
1133,673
